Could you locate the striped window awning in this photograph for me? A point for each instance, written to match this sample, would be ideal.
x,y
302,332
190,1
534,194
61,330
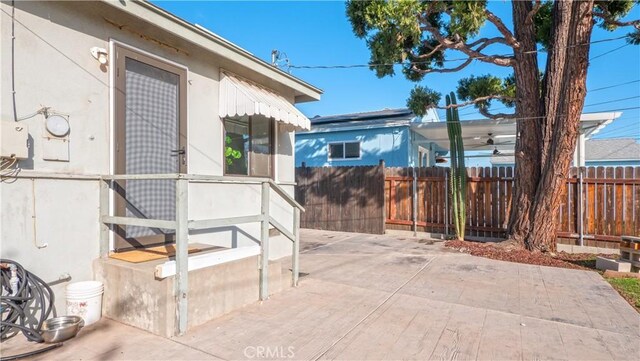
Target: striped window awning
x,y
240,97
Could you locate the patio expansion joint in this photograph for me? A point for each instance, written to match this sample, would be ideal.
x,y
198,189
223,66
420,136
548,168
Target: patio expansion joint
x,y
517,314
326,245
333,344
173,339
484,320
546,291
311,277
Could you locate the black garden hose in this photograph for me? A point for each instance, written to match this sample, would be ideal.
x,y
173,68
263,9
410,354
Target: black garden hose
x,y
28,308
29,354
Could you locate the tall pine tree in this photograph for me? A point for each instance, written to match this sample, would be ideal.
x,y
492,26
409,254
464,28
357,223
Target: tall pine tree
x,y
547,104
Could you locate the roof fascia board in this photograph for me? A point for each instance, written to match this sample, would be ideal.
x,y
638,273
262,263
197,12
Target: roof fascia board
x,y
584,117
346,129
215,44
363,117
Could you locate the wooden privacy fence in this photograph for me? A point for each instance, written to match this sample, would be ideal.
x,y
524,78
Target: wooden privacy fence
x,y
598,203
488,199
348,199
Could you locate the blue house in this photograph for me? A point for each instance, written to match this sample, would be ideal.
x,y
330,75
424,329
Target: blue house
x,y
366,138
402,139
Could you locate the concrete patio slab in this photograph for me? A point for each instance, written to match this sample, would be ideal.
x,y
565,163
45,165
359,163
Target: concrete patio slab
x,y
396,297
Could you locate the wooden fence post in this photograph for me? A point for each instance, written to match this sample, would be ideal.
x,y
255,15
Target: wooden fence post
x,y
580,207
414,199
384,196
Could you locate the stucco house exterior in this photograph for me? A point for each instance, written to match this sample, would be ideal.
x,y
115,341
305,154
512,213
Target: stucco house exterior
x,y
365,138
124,126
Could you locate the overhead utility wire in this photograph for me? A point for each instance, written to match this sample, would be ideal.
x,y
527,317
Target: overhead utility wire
x,y
588,91
608,52
621,130
517,118
625,134
612,101
563,115
588,105
613,86
348,66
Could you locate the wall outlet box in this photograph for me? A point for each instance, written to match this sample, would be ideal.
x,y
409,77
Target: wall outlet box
x,y
14,140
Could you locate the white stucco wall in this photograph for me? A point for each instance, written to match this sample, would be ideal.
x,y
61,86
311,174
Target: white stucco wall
x,y
54,68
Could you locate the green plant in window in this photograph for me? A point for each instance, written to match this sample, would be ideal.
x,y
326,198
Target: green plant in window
x,y
230,154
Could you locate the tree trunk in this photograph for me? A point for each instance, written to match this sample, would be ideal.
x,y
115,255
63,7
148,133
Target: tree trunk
x,y
564,91
549,120
528,108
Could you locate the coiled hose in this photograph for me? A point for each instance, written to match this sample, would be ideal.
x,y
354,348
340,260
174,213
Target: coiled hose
x,y
25,309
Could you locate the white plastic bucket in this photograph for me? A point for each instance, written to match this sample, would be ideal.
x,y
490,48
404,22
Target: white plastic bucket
x,y
84,299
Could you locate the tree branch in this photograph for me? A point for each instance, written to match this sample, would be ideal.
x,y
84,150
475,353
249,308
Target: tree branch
x,y
487,41
478,100
486,113
441,70
429,54
608,18
508,35
474,54
533,12
483,42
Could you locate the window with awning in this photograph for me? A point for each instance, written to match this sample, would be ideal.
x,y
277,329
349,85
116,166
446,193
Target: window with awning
x,y
248,146
241,97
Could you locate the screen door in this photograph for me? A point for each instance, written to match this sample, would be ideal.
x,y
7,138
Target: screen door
x,y
150,139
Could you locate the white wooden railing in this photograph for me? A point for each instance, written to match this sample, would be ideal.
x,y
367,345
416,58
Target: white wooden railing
x,y
182,225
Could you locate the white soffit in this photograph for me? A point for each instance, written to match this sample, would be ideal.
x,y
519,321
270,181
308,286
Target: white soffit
x,y
503,131
240,97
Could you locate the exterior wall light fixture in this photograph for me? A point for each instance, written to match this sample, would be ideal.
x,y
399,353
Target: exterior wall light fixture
x,y
100,54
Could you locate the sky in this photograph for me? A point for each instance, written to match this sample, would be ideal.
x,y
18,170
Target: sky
x,y
319,33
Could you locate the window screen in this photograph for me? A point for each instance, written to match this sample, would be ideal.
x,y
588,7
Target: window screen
x,y
352,150
248,147
151,134
236,146
336,151
260,160
346,150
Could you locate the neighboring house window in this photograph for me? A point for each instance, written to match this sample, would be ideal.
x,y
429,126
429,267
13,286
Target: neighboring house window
x,y
248,146
344,150
423,156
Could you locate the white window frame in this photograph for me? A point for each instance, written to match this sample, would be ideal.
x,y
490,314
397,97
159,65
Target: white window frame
x,y
343,151
272,144
423,153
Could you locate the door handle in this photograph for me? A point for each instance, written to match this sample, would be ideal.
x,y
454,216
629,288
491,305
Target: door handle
x,y
180,152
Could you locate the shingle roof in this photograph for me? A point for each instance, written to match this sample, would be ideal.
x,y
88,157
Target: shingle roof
x,y
605,149
401,113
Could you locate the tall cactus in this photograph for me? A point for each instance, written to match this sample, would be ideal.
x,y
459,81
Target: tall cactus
x,y
458,173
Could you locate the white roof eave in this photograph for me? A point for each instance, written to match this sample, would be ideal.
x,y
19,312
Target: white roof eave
x,y
591,123
213,43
